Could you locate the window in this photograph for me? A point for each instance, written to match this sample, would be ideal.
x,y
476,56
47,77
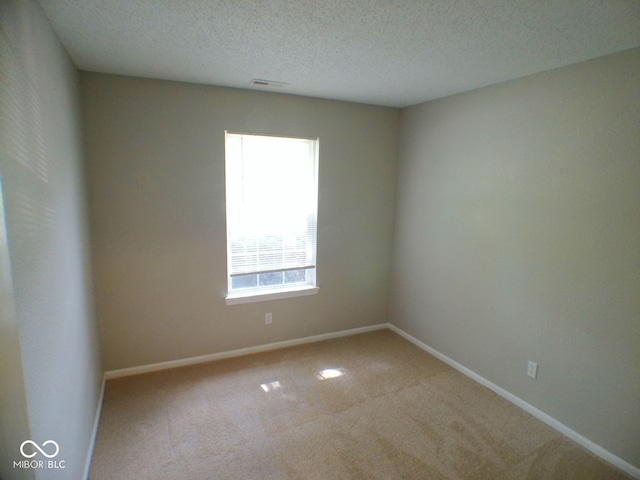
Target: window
x,y
272,204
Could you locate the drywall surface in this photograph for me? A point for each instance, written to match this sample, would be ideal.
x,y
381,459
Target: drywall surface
x,y
155,163
518,234
14,414
53,339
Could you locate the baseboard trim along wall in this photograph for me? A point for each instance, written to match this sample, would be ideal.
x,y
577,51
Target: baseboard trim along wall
x,y
126,372
527,407
94,434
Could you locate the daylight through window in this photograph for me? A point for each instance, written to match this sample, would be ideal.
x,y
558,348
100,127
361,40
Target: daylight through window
x,y
272,203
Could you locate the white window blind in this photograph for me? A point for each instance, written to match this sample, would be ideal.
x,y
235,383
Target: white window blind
x,y
272,198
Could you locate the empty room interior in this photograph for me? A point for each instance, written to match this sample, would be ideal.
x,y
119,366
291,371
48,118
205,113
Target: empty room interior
x,y
456,289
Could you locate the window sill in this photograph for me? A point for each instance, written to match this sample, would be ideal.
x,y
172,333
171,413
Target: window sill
x,y
249,297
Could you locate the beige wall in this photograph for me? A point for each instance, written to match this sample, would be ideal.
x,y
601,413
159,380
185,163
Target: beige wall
x,y
518,238
155,157
50,371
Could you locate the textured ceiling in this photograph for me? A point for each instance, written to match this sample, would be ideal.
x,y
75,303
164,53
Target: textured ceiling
x,y
394,53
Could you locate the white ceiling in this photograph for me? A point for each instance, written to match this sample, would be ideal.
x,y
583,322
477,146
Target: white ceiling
x,y
393,52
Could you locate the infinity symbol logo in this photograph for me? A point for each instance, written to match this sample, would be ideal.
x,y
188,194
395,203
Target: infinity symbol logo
x,y
35,445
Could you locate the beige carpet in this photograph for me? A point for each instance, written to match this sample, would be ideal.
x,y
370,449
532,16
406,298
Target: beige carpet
x,y
370,406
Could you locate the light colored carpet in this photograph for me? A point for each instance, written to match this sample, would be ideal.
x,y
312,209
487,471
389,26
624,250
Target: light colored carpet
x,y
394,412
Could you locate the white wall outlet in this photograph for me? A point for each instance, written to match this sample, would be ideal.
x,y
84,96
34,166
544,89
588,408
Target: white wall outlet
x,y
532,369
268,318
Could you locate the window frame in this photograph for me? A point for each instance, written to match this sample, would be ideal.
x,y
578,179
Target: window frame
x,y
264,293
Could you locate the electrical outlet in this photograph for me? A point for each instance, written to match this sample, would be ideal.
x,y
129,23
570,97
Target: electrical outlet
x,y
532,369
268,318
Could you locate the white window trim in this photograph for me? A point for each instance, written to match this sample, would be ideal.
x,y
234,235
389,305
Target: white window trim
x,y
263,296
242,296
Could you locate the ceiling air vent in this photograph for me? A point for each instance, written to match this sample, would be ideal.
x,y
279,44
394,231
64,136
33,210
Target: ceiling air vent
x,y
260,82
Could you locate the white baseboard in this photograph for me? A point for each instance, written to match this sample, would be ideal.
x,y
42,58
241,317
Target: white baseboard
x,y
125,372
539,414
94,433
